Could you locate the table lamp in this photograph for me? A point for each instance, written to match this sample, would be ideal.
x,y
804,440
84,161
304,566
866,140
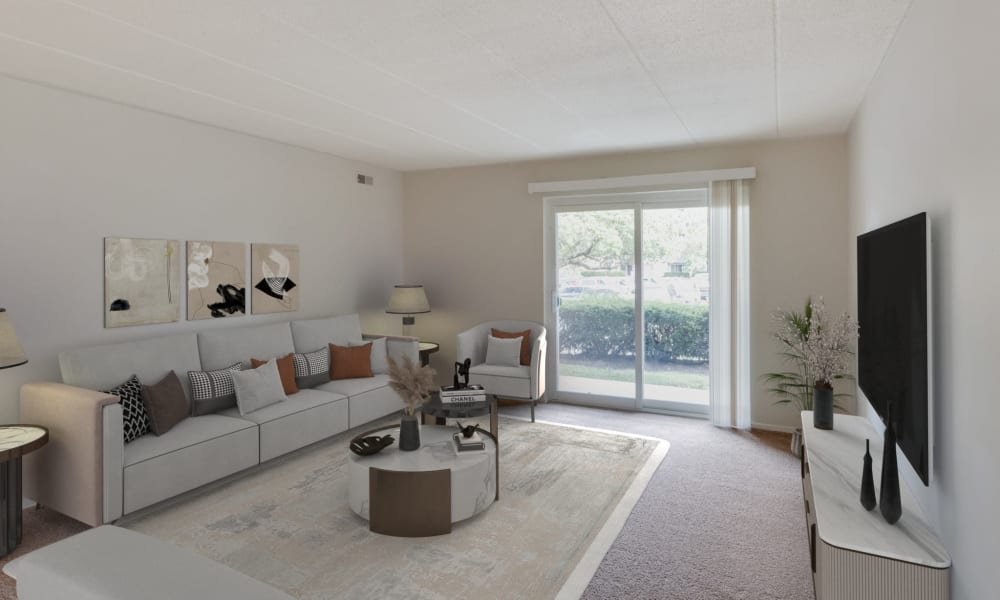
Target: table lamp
x,y
408,300
11,354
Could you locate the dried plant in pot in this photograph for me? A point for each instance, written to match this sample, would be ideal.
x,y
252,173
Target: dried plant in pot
x,y
818,347
414,384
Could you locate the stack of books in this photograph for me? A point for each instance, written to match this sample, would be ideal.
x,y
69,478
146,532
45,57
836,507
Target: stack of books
x,y
452,395
468,444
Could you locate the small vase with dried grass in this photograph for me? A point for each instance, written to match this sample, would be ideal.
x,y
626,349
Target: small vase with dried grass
x,y
414,383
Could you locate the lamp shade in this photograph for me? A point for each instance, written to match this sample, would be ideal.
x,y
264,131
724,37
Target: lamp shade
x,y
408,300
11,354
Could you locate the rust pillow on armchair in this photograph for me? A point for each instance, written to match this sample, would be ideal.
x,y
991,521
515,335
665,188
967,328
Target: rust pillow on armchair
x,y
350,362
525,342
286,368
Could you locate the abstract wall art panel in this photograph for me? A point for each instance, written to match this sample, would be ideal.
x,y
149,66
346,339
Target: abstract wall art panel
x,y
216,278
274,278
141,281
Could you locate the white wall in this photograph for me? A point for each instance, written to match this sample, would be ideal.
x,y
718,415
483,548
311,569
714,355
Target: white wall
x,y
927,138
474,235
74,169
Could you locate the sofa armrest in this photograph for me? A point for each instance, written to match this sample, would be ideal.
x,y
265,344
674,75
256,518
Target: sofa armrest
x,y
471,344
537,368
79,471
398,346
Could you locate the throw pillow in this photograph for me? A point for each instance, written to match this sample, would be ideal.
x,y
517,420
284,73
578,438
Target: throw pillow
x,y
286,367
349,363
525,342
380,354
134,420
165,403
258,387
503,352
212,391
312,368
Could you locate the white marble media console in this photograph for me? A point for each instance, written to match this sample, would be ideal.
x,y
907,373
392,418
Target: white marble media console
x,y
855,553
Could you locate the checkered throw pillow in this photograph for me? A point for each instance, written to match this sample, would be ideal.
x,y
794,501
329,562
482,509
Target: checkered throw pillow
x,y
135,422
212,391
312,368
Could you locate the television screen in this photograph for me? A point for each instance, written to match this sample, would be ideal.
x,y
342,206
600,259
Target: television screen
x,y
893,365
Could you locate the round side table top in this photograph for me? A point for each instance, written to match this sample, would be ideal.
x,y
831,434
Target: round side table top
x,y
428,347
18,440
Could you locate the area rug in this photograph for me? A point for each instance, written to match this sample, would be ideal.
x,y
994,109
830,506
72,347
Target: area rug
x,y
565,493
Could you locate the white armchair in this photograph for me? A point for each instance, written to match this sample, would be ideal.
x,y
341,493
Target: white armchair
x,y
525,382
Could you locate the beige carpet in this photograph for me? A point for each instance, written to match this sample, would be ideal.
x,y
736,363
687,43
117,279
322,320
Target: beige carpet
x,y
289,523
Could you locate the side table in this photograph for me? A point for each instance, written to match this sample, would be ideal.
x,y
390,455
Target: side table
x,y
15,442
426,349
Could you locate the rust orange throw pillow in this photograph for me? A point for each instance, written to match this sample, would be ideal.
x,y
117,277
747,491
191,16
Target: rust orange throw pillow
x,y
525,342
286,368
348,363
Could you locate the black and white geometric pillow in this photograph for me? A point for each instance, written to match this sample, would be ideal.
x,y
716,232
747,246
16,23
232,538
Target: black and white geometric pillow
x,y
312,368
134,417
212,391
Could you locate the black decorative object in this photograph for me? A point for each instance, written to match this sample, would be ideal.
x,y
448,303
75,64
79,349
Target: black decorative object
x,y
888,493
823,408
372,444
462,370
867,480
409,433
467,430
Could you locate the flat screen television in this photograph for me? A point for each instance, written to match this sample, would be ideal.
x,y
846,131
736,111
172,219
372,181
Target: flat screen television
x,y
894,317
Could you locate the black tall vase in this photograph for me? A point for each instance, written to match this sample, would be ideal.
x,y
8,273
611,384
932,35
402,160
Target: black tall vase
x,y
888,493
822,408
867,480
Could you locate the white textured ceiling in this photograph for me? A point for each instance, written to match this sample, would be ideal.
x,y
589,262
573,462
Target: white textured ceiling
x,y
415,84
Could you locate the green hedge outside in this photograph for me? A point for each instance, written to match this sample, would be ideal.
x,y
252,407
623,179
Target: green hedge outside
x,y
605,327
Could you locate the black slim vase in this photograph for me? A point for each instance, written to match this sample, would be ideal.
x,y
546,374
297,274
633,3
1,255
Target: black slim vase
x,y
888,493
867,480
822,408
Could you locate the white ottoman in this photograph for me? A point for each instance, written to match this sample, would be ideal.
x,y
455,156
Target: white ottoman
x,y
111,563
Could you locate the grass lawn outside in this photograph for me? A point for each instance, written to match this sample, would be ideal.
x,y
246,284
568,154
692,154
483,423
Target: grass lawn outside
x,y
670,375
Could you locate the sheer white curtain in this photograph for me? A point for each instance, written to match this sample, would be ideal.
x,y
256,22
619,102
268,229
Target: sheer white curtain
x,y
729,336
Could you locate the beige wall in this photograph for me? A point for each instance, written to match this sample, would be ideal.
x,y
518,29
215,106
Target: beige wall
x,y
74,169
927,138
473,237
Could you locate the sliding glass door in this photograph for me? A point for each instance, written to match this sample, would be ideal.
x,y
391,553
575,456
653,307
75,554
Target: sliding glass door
x,y
630,300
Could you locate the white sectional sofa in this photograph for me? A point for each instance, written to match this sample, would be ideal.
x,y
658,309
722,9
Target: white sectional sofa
x,y
87,472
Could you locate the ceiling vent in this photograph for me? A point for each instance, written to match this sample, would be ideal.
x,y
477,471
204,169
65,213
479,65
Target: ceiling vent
x,y
365,179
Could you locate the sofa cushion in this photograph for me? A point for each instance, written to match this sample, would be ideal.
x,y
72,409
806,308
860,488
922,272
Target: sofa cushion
x,y
286,368
304,400
101,367
348,362
503,352
223,347
379,354
212,391
189,432
135,422
316,333
312,368
513,382
353,387
525,356
165,403
258,388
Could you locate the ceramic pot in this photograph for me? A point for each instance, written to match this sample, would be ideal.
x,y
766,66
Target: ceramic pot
x,y
409,433
822,408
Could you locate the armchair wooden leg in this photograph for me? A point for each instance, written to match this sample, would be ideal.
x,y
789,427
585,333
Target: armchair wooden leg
x,y
532,411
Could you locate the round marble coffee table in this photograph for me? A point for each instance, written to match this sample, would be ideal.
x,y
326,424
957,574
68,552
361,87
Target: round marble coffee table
x,y
15,442
422,492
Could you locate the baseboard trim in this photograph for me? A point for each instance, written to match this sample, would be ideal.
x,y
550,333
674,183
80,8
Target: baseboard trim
x,y
771,427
